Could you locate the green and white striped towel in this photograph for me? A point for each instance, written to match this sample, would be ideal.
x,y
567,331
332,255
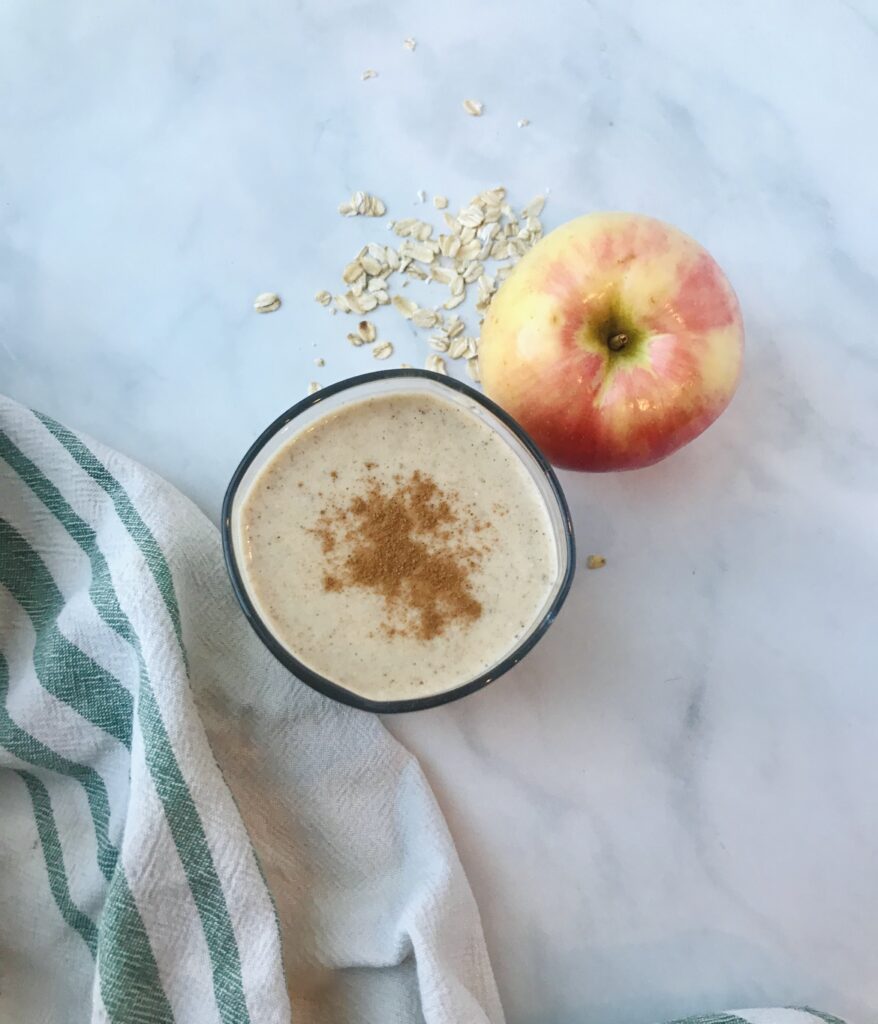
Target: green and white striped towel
x,y
129,888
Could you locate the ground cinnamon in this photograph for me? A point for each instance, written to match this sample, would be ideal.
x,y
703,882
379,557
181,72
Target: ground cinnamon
x,y
410,542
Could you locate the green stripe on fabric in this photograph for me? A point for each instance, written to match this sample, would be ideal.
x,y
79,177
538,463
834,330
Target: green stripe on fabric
x,y
30,750
191,842
128,514
54,858
181,813
710,1018
131,989
821,1014
122,943
130,986
62,668
101,588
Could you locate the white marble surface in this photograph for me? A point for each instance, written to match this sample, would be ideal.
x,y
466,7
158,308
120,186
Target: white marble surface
x,y
671,806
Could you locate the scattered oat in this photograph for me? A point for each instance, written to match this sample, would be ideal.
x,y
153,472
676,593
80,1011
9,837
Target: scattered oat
x,y
471,348
409,43
425,318
595,562
472,272
450,247
361,204
383,350
312,387
469,249
522,122
405,306
473,107
534,208
437,364
369,73
477,248
457,347
319,362
420,251
368,265
405,366
267,302
444,275
324,298
471,217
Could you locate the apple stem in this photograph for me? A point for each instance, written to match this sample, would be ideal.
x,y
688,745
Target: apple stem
x,y
616,342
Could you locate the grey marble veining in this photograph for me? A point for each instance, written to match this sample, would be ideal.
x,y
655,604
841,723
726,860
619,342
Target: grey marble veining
x,y
670,806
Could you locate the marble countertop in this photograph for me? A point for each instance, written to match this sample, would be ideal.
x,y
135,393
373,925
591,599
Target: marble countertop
x,y
671,805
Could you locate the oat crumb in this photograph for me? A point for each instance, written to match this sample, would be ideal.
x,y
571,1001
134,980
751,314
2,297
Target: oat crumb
x,y
267,302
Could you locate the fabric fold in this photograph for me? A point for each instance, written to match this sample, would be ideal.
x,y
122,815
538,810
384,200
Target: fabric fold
x,y
266,848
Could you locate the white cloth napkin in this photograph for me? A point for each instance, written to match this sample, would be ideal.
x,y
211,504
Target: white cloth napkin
x,y
129,886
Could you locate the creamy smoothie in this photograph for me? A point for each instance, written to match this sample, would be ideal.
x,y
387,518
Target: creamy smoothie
x,y
398,546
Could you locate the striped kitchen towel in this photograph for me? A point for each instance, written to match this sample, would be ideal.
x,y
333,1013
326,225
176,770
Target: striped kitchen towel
x,y
146,737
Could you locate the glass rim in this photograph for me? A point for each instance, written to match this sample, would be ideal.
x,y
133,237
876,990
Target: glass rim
x,y
321,683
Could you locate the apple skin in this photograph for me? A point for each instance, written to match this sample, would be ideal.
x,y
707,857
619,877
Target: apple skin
x,y
608,279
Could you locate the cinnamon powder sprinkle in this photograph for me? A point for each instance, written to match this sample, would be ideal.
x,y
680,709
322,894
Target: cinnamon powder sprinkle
x,y
412,545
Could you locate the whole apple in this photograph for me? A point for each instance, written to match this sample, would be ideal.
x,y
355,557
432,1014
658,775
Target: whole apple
x,y
615,341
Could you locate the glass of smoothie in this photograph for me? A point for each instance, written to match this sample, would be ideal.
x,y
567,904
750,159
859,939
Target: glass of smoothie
x,y
397,540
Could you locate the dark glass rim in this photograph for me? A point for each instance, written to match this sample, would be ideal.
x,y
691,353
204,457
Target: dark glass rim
x,y
326,686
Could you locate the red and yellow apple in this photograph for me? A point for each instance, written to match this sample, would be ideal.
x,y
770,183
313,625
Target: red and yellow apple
x,y
616,340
